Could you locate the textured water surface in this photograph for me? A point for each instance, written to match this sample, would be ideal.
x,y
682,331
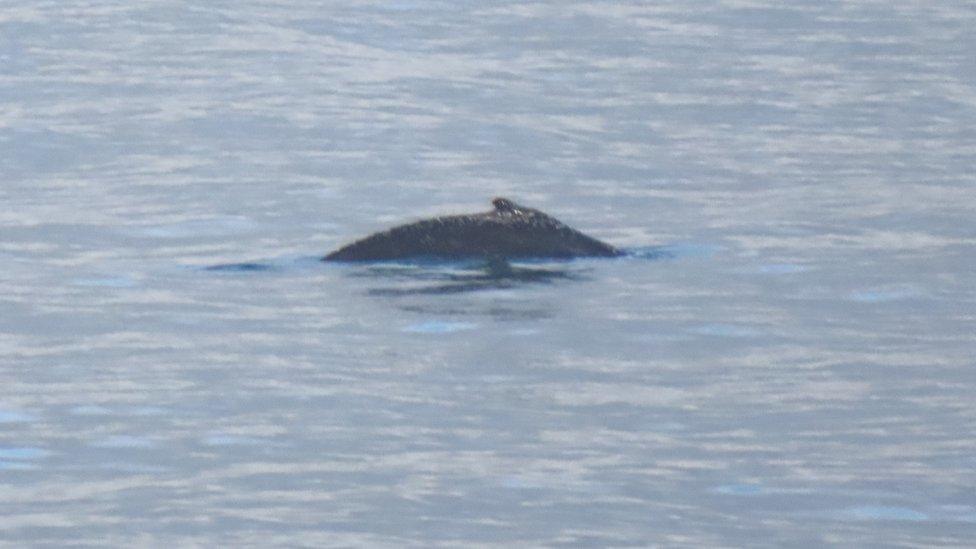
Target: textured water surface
x,y
785,357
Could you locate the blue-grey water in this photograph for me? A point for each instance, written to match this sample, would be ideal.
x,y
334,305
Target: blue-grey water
x,y
786,358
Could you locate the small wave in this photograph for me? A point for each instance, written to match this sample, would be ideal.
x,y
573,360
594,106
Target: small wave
x,y
217,226
672,251
23,454
266,265
15,416
439,327
246,267
880,512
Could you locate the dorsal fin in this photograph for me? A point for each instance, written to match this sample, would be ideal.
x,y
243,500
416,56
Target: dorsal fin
x,y
504,205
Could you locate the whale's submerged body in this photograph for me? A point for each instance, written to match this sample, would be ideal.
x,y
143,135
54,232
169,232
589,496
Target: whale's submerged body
x,y
508,231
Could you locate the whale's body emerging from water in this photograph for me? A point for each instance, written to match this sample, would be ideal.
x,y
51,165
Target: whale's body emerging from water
x,y
508,231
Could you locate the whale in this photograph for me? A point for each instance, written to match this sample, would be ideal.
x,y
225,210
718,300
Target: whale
x,y
509,231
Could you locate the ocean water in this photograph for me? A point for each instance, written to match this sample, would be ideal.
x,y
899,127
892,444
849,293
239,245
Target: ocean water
x,y
785,358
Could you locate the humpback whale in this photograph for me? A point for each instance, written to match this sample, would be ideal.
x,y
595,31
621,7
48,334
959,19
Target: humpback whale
x,y
510,231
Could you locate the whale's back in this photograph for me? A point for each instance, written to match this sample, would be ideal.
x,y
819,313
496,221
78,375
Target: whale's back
x,y
509,231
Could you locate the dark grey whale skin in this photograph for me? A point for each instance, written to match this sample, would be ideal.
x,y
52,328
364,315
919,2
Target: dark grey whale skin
x,y
510,231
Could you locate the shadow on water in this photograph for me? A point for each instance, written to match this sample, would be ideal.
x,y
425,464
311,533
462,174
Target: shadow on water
x,y
446,278
433,277
411,284
426,276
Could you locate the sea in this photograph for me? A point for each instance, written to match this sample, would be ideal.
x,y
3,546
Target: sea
x,y
785,356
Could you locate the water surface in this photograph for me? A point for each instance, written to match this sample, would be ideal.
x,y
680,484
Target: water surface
x,y
785,358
